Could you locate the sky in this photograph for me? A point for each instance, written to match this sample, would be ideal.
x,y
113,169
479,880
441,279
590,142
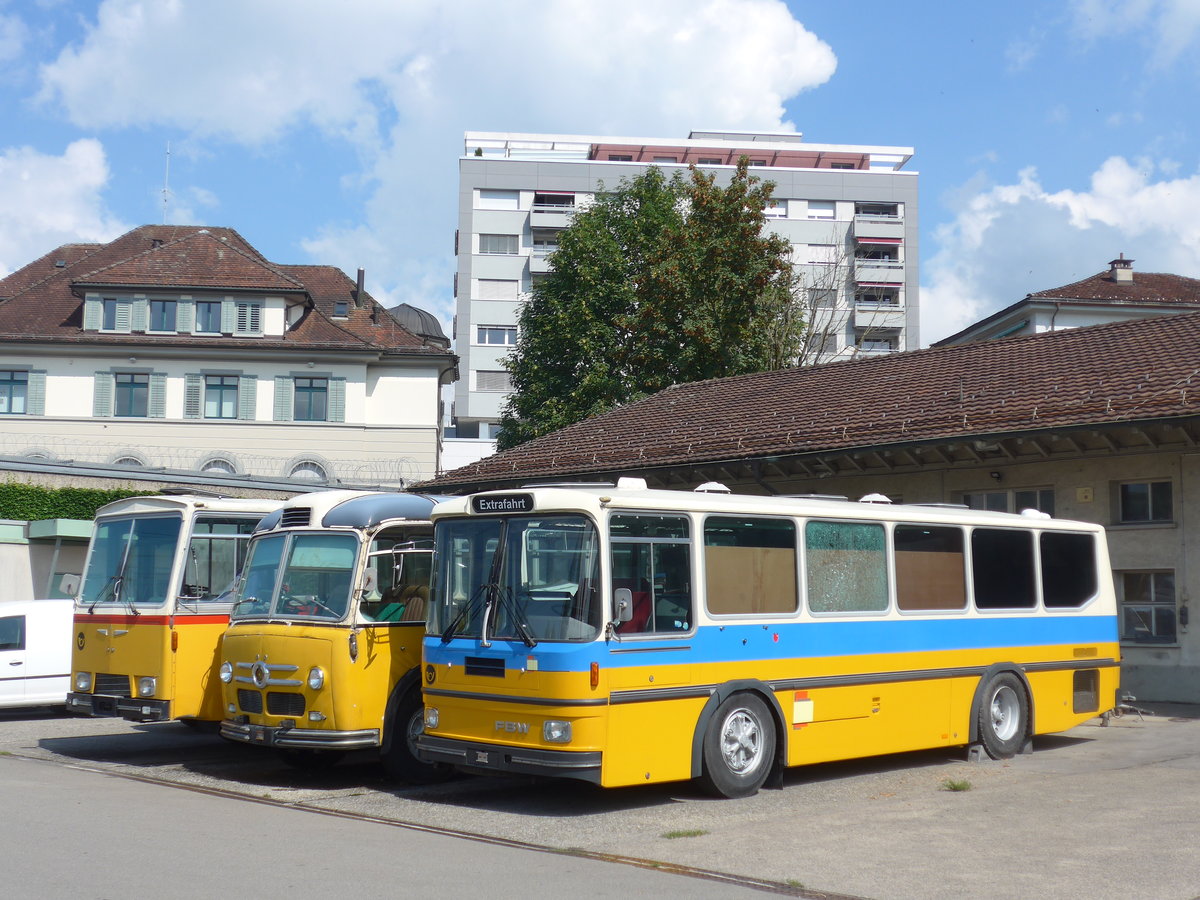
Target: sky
x,y
1049,137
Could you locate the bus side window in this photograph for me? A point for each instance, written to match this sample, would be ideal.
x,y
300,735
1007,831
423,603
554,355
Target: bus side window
x,y
651,556
1002,568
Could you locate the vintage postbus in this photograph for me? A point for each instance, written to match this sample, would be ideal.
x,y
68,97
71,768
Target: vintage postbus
x,y
324,644
153,604
626,636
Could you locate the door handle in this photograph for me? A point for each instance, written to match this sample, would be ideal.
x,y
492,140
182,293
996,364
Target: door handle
x,y
19,662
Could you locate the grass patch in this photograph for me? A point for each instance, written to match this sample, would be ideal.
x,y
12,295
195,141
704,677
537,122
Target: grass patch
x,y
686,832
956,784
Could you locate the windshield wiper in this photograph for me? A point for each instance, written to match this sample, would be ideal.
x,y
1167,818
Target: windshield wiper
x,y
514,612
465,612
111,590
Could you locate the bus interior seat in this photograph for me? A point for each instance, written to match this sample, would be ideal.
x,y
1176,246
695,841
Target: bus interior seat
x,y
415,598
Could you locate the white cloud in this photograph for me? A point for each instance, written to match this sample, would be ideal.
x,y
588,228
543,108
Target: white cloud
x,y
1174,25
403,80
48,200
1009,240
13,35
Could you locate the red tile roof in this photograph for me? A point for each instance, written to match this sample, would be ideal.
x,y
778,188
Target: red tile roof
x,y
1144,369
43,301
1146,287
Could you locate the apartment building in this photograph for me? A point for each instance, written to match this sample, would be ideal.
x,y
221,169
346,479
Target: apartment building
x,y
850,213
182,349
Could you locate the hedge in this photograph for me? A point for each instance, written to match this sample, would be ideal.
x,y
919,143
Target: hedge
x,y
31,502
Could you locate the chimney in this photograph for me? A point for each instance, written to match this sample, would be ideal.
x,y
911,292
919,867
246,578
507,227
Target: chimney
x,y
358,291
1121,270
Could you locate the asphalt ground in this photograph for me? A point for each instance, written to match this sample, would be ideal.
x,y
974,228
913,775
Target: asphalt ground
x,y
1097,812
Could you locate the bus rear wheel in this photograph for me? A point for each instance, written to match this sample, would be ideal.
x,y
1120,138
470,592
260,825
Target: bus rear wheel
x,y
1003,716
399,755
739,747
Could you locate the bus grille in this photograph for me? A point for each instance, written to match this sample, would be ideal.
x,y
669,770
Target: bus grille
x,y
297,517
112,685
249,701
285,704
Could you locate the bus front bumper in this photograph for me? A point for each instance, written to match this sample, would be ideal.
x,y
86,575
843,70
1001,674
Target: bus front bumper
x,y
106,705
479,757
293,738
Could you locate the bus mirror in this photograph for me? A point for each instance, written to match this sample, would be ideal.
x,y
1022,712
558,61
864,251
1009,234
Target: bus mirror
x,y
622,604
370,581
68,584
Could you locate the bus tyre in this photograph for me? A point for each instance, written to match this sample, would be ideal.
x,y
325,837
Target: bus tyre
x,y
739,747
1003,716
400,755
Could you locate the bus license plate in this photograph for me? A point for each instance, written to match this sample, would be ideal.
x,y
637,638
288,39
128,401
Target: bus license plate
x,y
260,734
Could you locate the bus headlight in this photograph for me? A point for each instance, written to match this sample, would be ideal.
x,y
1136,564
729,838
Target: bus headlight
x,y
147,685
431,717
226,672
316,678
556,732
83,682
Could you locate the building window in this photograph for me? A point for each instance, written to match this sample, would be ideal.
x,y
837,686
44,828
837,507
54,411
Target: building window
x,y
115,315
822,298
822,254
310,400
221,396
497,199
877,296
1041,499
131,394
497,289
493,381
877,210
218,466
498,244
709,161
14,391
553,202
821,209
249,318
308,470
162,315
665,159
870,342
1148,607
758,162
131,461
208,317
842,165
776,209
341,308
496,335
1145,501
620,157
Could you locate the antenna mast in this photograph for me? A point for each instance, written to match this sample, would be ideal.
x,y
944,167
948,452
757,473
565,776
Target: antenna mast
x,y
166,191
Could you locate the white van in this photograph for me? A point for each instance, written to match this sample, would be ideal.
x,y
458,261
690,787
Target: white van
x,y
35,652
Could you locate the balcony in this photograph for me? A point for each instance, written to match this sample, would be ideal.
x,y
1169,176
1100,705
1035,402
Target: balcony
x,y
879,315
551,215
539,262
889,228
878,271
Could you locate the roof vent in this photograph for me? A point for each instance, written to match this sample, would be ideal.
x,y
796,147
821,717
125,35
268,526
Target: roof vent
x,y
627,483
60,264
296,517
712,487
874,498
1121,270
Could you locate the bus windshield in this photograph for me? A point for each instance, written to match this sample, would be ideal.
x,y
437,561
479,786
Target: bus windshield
x,y
534,578
130,561
298,576
215,555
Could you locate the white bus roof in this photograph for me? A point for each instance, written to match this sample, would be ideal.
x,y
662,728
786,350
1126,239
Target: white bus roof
x,y
185,503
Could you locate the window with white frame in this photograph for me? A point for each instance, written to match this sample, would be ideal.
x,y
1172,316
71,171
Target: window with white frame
x,y
162,315
14,392
497,289
1148,610
131,394
496,335
498,244
490,198
776,209
821,209
116,314
1144,502
221,396
710,161
1012,501
493,381
208,317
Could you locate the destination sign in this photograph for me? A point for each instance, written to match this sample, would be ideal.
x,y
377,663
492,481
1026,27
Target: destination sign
x,y
502,503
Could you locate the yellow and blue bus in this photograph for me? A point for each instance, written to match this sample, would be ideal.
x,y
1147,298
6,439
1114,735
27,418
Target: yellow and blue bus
x,y
622,636
153,603
324,643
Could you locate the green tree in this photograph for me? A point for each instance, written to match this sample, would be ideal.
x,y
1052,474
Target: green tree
x,y
660,282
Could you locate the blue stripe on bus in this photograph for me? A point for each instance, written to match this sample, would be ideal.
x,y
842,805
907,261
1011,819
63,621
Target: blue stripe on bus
x,y
731,643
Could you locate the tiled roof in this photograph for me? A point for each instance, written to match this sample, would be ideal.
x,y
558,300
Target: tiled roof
x,y
43,301
1146,287
1142,369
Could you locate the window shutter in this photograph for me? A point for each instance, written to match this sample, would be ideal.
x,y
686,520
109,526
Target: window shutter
x,y
283,398
337,400
185,316
124,315
141,317
193,389
92,311
35,397
249,318
102,399
157,406
248,397
228,316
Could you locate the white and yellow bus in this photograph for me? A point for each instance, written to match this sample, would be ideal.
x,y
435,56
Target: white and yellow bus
x,y
324,643
153,604
625,636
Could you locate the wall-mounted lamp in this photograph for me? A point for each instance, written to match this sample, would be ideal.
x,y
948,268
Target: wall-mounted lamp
x,y
310,364
132,360
996,476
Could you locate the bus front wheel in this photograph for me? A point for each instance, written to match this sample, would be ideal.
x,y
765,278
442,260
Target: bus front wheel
x,y
1003,716
739,745
400,755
